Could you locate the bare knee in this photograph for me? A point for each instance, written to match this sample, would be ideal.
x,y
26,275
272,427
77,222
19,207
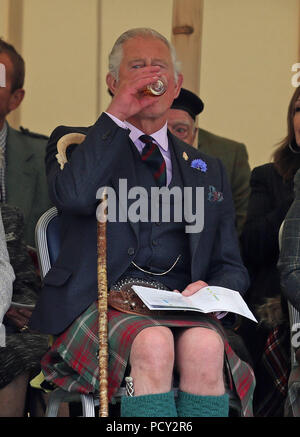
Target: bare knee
x,y
153,348
200,358
198,341
210,344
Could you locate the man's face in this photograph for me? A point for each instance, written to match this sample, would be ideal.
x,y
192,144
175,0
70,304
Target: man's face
x,y
140,52
8,100
181,124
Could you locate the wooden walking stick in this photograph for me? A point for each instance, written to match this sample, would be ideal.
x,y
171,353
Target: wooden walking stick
x,y
102,310
63,143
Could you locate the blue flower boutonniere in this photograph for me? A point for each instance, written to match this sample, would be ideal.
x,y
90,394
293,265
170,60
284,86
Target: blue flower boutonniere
x,y
199,164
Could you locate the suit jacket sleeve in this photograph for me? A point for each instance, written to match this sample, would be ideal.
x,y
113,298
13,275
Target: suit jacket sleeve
x,y
226,267
90,166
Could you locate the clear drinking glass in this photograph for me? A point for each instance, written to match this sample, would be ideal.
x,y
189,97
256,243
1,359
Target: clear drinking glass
x,y
157,88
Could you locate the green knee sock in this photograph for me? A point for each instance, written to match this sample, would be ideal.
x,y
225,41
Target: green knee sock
x,y
190,405
154,405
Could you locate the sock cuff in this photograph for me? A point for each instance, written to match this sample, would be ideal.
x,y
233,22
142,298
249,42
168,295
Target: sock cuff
x,y
191,405
152,405
213,400
156,397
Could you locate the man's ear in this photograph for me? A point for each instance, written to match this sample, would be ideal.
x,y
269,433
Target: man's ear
x,y
16,99
111,82
178,85
195,130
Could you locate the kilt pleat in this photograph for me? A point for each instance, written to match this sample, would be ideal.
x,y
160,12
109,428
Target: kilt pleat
x,y
72,361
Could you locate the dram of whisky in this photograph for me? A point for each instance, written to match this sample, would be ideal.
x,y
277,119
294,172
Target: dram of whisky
x,y
156,89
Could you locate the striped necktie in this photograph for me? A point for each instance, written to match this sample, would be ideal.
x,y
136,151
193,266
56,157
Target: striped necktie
x,y
152,157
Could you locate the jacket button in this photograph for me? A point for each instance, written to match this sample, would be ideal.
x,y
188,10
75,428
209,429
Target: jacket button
x,y
131,251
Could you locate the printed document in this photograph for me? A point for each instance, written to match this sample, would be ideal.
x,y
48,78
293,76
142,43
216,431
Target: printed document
x,y
207,300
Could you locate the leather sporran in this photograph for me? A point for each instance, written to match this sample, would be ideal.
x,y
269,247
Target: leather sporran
x,y
124,299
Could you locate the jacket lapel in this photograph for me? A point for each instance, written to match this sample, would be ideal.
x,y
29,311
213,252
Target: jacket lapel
x,y
193,178
126,171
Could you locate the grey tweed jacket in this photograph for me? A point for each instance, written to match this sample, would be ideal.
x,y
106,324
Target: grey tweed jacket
x,y
7,275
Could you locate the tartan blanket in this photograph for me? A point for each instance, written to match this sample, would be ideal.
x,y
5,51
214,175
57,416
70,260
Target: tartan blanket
x,y
72,363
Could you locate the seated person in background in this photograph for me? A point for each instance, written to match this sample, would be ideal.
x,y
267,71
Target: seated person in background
x,y
7,277
270,199
289,258
289,268
22,167
20,358
182,123
119,148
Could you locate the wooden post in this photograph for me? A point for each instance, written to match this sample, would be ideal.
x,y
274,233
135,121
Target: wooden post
x,y
4,12
298,60
186,38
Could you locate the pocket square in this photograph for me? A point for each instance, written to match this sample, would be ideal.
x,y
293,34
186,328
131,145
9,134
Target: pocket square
x,y
214,195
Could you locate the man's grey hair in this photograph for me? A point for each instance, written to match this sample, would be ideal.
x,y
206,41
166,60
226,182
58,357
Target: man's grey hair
x,y
116,54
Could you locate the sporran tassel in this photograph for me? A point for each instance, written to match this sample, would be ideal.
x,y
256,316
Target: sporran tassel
x,y
129,386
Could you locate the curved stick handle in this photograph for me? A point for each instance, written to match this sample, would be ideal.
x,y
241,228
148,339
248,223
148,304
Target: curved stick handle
x,y
63,143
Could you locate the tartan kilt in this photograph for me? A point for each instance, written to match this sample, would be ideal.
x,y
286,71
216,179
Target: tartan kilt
x,y
72,361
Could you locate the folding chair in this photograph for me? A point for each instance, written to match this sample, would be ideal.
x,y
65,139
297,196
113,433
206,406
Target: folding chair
x,y
48,243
